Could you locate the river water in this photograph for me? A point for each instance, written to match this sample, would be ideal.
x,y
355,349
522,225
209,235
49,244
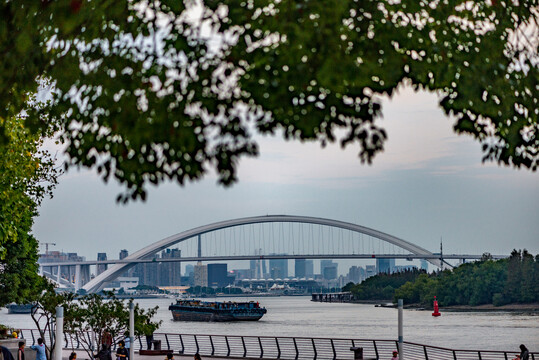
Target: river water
x,y
298,316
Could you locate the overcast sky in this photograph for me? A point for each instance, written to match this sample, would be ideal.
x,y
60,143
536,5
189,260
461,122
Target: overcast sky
x,y
428,183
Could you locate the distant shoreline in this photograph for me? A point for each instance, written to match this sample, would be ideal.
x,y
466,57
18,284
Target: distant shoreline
x,y
532,307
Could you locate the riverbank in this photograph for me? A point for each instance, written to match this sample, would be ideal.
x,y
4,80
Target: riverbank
x,y
533,307
489,307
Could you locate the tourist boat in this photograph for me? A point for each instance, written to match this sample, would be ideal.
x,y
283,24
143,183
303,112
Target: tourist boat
x,y
196,310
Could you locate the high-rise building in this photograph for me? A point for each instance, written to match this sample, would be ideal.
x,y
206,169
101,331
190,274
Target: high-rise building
x,y
150,275
138,271
356,274
299,268
330,272
217,275
189,269
278,268
325,264
309,269
385,266
101,267
253,267
170,272
167,273
201,275
370,270
123,254
424,265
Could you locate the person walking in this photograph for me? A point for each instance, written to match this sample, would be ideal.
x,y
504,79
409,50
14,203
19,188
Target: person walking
x,y
395,355
20,352
40,350
121,351
197,356
170,356
107,339
127,341
524,352
73,356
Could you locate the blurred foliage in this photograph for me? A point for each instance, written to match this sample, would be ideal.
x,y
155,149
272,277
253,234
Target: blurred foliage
x,y
146,92
27,176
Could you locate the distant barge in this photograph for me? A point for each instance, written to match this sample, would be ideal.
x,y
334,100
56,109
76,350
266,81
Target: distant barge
x,y
19,308
196,310
332,297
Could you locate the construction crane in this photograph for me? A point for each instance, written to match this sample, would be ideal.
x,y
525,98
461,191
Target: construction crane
x,y
47,246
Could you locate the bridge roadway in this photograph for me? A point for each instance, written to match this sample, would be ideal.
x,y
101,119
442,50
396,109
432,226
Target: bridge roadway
x,y
270,257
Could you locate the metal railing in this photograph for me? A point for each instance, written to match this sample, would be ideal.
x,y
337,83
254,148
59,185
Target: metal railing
x,y
292,348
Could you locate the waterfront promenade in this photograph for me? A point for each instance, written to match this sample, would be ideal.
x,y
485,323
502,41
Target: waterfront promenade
x,y
82,355
272,348
289,348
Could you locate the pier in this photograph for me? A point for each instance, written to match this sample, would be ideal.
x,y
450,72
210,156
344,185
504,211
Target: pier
x,y
332,297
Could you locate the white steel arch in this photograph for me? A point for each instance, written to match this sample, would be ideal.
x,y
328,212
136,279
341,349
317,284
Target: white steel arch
x,y
114,271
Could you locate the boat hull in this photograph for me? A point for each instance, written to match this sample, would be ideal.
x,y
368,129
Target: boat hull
x,y
19,308
197,316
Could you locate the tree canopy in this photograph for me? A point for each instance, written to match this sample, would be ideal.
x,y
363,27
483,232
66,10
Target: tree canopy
x,y
383,285
89,314
512,280
500,282
27,176
44,314
98,314
146,92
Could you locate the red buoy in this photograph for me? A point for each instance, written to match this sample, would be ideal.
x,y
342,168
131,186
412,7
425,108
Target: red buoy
x,y
436,312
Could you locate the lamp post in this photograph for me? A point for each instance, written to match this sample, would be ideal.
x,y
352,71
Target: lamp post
x,y
132,330
59,333
400,304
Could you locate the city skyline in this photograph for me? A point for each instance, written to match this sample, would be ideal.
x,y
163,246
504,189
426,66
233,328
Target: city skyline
x,y
268,268
215,274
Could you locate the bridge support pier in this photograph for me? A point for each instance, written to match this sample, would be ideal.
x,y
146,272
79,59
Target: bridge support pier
x,y
77,277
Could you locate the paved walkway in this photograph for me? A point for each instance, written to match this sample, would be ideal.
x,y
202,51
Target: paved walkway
x,y
82,355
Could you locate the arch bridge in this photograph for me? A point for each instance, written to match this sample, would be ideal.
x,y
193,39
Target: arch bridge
x,y
290,237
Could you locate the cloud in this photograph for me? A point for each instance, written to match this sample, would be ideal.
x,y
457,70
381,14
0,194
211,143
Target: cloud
x,y
419,136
